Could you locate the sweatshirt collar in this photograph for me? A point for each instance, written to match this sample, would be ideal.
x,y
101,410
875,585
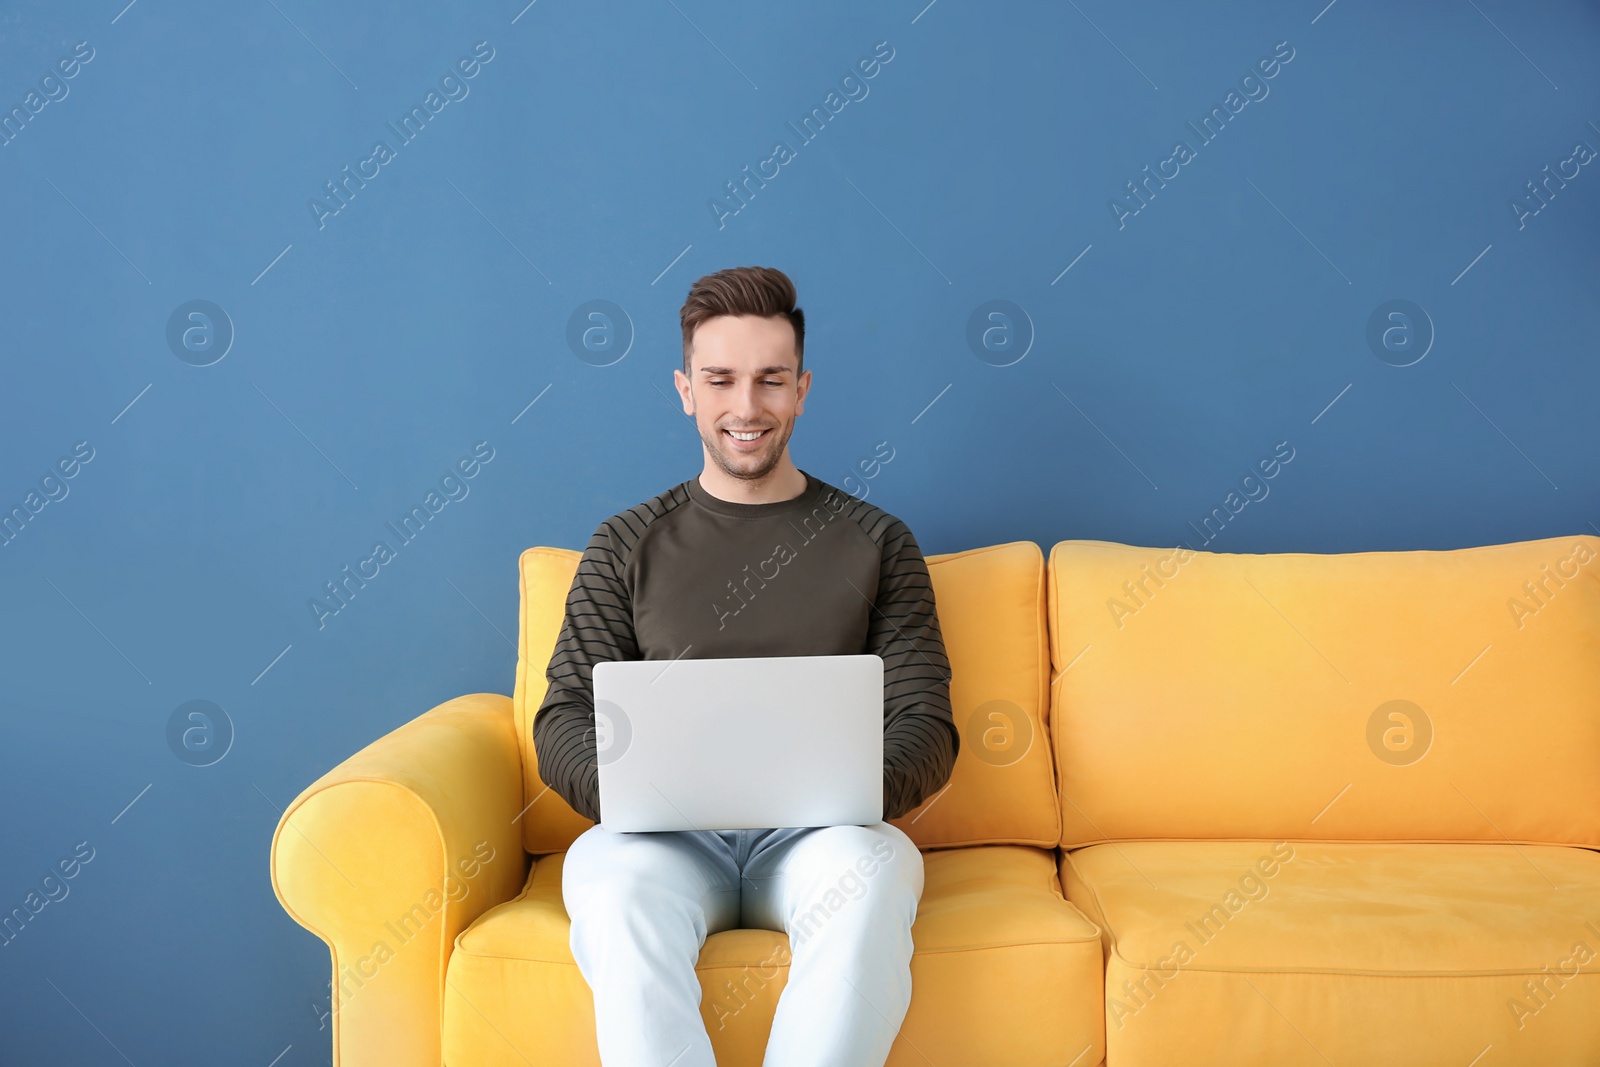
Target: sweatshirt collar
x,y
736,510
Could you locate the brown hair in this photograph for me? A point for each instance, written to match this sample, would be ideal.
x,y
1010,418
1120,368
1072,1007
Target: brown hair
x,y
760,291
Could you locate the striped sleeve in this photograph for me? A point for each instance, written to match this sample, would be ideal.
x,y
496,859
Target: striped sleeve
x,y
598,627
920,739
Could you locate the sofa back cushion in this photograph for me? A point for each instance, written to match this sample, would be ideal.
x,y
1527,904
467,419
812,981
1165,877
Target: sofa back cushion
x,y
548,822
1369,696
991,604
991,614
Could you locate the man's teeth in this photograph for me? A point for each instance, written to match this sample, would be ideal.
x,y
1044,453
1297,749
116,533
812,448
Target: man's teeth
x,y
751,436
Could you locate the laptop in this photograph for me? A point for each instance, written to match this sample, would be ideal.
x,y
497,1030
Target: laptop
x,y
733,744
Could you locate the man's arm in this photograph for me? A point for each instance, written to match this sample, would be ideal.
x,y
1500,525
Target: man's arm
x,y
920,739
598,628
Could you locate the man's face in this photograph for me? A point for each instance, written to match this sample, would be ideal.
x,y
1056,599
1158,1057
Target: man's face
x,y
743,379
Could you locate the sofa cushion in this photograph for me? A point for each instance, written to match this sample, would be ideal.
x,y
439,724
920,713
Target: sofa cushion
x,y
1367,696
548,822
1003,788
1378,954
991,604
1006,973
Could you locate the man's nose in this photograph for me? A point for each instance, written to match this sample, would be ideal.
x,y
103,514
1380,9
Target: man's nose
x,y
747,402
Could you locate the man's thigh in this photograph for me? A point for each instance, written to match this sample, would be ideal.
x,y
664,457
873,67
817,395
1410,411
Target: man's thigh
x,y
609,870
827,868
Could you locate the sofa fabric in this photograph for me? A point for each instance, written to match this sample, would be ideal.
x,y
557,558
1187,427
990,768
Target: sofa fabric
x,y
1007,973
1210,809
991,604
1368,696
1412,955
389,856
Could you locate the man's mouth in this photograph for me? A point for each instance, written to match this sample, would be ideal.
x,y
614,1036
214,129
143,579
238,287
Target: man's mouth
x,y
744,439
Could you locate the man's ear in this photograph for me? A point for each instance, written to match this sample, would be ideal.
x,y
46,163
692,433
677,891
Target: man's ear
x,y
802,387
685,393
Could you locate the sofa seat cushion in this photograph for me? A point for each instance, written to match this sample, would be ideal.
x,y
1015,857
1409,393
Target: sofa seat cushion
x,y
1413,954
1006,973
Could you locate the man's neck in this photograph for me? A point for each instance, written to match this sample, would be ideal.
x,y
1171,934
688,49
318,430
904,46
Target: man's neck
x,y
783,482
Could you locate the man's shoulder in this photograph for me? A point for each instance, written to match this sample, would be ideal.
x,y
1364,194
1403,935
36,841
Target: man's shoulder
x,y
623,531
880,527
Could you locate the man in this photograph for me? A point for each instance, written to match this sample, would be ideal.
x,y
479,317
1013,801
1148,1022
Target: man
x,y
754,557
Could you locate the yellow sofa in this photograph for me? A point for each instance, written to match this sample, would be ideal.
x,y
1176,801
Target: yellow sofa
x,y
1210,808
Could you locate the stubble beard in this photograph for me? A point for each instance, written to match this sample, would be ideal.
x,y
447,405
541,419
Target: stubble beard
x,y
768,460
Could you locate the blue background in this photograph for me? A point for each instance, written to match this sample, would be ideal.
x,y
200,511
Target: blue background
x,y
371,353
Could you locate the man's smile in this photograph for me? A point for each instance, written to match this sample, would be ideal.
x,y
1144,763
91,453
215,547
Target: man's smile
x,y
747,440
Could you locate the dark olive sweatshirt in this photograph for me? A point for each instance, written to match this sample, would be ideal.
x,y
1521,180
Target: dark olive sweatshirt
x,y
687,574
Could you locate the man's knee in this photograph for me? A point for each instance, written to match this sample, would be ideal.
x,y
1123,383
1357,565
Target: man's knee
x,y
875,863
879,853
617,876
600,863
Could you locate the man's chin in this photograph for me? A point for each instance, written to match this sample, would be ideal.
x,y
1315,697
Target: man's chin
x,y
747,467
750,471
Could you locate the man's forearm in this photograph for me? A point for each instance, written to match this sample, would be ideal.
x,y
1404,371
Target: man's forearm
x,y
919,752
564,742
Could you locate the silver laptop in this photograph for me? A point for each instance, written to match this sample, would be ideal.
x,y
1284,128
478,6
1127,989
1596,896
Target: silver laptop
x,y
732,744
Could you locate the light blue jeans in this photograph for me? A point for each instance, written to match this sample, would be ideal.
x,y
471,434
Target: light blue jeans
x,y
642,904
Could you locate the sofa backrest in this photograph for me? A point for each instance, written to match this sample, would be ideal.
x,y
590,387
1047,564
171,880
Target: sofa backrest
x,y
991,605
1369,696
548,823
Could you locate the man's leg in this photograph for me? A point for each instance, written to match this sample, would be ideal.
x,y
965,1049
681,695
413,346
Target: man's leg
x,y
641,906
846,896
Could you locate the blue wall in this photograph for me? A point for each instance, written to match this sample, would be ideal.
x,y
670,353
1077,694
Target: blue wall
x,y
1167,347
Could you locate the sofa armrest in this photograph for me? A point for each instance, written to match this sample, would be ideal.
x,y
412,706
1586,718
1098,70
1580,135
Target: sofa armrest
x,y
394,852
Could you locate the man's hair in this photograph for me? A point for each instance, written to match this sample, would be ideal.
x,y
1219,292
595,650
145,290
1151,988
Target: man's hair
x,y
760,291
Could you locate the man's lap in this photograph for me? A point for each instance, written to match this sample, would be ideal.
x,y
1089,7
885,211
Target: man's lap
x,y
750,879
